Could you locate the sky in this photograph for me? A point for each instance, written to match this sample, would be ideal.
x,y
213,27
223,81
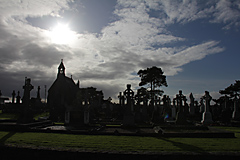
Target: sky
x,y
104,43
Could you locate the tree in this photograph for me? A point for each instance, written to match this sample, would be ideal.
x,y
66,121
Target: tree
x,y
154,78
142,95
233,90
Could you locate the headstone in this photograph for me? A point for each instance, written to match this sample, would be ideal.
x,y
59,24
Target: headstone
x,y
236,114
27,88
181,117
174,110
186,107
191,108
18,98
128,117
86,117
207,116
26,115
226,99
167,107
121,99
129,95
164,99
13,96
138,113
202,107
38,93
67,117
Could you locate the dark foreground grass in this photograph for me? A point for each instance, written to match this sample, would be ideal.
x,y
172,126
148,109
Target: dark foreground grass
x,y
122,143
8,116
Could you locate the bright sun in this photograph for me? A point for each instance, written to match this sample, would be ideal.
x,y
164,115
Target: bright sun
x,y
62,34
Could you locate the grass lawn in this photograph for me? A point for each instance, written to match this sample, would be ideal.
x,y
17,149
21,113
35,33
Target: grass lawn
x,y
123,143
45,114
8,116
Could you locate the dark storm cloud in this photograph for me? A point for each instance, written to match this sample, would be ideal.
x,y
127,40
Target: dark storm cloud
x,y
46,56
14,81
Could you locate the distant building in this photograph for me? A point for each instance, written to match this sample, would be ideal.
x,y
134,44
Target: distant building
x,y
2,99
61,94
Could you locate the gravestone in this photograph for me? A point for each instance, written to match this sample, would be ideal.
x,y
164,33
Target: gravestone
x,y
86,117
181,117
26,116
18,98
67,117
207,116
202,107
27,89
226,99
186,107
174,109
38,93
128,117
167,107
236,114
13,96
138,114
191,108
121,99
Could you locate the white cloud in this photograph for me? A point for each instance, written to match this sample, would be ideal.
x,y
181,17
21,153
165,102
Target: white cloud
x,y
24,8
227,12
222,11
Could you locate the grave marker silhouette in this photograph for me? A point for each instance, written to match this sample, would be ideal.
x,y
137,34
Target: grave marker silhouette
x,y
128,117
207,116
181,117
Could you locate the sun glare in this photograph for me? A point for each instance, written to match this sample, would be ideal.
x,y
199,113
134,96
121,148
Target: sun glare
x,y
62,34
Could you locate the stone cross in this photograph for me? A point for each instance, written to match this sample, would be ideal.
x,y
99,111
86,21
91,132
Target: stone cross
x,y
207,99
128,117
27,88
129,94
181,117
121,99
191,108
207,116
180,97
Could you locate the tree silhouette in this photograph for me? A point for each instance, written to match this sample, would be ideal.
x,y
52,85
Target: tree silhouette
x,y
154,78
142,95
233,90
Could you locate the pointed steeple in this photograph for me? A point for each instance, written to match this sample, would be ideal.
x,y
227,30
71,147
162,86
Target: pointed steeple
x,y
61,69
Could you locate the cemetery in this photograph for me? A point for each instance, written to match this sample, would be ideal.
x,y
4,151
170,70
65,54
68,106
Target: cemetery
x,y
145,113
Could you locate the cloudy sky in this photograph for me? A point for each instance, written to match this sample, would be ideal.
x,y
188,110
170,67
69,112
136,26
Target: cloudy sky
x,y
104,43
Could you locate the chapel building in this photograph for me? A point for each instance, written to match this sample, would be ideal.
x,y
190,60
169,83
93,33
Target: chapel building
x,y
61,94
